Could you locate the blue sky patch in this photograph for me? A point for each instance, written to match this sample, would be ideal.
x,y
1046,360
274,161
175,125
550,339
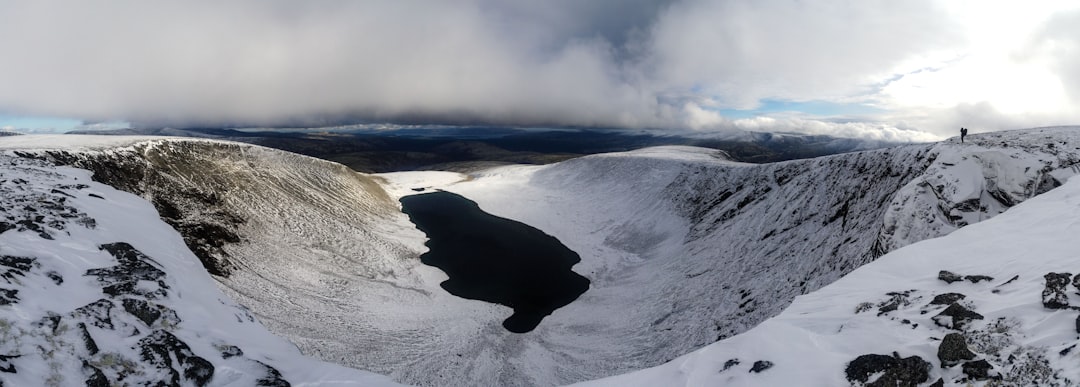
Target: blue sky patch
x,y
813,108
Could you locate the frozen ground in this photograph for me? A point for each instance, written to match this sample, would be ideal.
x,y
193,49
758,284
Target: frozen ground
x,y
683,247
888,306
96,290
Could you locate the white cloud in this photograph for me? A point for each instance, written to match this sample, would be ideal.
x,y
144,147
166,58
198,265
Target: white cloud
x,y
631,63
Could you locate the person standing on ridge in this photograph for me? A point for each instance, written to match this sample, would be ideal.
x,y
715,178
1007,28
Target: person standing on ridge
x,y
963,132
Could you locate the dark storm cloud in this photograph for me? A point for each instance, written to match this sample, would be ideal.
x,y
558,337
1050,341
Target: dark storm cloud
x,y
632,63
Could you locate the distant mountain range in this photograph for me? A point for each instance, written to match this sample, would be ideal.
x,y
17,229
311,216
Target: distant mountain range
x,y
462,148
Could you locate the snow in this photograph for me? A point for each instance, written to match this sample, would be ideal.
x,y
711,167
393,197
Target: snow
x,y
207,317
682,246
71,141
814,338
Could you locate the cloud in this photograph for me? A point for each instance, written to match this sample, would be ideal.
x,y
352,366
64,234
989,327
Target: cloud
x,y
604,63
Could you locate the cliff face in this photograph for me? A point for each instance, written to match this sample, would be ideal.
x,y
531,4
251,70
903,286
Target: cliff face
x,y
95,289
991,303
685,248
682,246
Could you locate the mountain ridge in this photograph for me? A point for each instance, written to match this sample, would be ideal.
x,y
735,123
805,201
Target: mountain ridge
x,y
653,226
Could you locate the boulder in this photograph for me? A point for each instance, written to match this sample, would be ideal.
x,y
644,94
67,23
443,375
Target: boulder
x,y
953,350
956,317
895,372
1053,296
761,365
978,370
947,298
949,277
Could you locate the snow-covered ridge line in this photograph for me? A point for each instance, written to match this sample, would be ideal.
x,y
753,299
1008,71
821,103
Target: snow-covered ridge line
x,y
682,247
319,253
988,304
682,253
96,290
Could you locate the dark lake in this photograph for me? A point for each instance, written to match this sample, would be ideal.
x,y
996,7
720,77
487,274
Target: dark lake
x,y
494,259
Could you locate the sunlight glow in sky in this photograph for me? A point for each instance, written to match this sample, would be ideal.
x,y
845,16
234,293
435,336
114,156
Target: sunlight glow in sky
x,y
911,70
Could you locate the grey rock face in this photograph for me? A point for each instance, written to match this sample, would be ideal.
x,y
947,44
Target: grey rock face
x,y
1053,296
953,350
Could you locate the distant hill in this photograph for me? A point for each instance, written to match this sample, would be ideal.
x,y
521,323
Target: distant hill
x,y
461,147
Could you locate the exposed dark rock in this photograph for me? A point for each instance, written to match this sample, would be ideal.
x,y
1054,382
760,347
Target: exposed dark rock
x,y
953,350
134,266
55,277
1076,282
5,363
1067,350
97,313
1077,324
144,311
1053,296
96,378
207,240
948,276
895,301
947,298
978,370
21,264
977,278
231,351
956,317
1046,183
11,266
9,296
50,321
272,379
4,226
201,225
200,370
56,191
1002,197
939,383
161,347
730,363
897,372
88,341
761,365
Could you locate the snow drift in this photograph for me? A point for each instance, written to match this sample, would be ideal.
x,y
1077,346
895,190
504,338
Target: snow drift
x,y
682,246
989,304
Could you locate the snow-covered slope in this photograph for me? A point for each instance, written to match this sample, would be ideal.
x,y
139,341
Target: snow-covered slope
x,y
683,251
682,246
1007,279
319,253
96,290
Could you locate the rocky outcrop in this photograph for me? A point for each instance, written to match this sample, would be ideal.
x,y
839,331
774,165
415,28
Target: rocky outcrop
x,y
1054,296
894,370
956,316
953,350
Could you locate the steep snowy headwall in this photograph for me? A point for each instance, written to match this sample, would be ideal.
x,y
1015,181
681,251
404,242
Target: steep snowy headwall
x,y
96,290
682,247
319,253
991,304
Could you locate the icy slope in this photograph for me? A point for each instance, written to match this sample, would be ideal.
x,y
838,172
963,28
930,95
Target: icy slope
x,y
1022,322
684,249
682,246
95,290
319,253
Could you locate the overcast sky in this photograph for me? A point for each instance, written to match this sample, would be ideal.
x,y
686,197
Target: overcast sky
x,y
899,70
